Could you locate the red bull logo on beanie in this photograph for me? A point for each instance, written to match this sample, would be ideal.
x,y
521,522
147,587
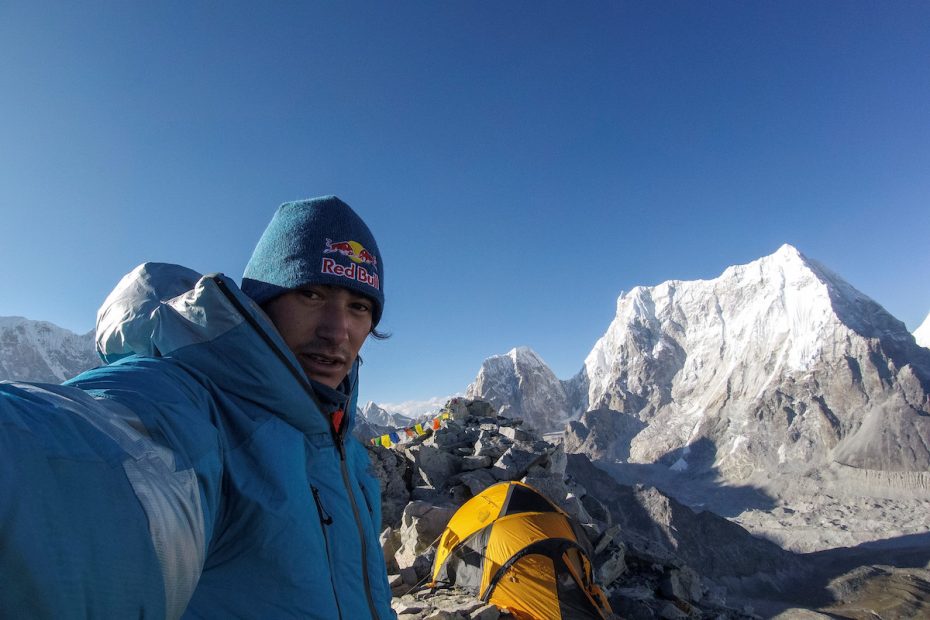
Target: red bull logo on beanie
x,y
359,256
352,272
352,249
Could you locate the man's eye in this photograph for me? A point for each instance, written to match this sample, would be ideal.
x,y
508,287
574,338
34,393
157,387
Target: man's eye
x,y
311,295
359,307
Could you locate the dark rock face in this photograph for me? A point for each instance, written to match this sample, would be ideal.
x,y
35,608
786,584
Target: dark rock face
x,y
602,433
652,555
711,545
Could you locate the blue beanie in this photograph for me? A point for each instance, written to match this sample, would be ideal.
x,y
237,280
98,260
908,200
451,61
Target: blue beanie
x,y
315,241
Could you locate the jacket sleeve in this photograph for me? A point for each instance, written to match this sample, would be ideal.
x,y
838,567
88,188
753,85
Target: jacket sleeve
x,y
107,493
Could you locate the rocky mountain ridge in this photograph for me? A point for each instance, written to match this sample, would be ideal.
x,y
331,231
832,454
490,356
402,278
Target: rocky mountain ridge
x,y
778,365
654,557
43,352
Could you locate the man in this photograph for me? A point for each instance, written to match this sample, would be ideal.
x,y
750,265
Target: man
x,y
208,469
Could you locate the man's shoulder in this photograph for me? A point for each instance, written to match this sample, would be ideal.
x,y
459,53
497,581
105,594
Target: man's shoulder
x,y
148,377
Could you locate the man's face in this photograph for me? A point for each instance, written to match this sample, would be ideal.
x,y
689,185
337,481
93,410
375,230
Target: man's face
x,y
324,326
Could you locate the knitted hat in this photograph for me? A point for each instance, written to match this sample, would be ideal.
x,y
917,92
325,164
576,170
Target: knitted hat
x,y
315,241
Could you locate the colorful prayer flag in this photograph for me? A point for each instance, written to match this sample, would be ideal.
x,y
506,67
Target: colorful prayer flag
x,y
419,429
436,424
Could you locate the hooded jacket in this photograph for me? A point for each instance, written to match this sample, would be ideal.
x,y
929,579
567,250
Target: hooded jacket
x,y
195,474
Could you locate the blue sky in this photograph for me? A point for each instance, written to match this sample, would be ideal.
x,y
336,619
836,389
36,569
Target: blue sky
x,y
521,163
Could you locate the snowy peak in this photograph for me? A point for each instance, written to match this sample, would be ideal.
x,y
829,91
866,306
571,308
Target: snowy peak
x,y
774,361
41,351
520,385
922,333
416,409
380,416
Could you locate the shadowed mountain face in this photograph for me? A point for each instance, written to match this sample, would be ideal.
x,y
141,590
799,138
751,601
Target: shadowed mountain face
x,y
43,352
778,364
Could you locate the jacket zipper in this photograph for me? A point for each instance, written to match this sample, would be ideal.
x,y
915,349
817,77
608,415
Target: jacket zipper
x,y
325,519
337,438
328,519
358,521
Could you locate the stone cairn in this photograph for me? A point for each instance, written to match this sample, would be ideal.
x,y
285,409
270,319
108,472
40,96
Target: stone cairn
x,y
423,483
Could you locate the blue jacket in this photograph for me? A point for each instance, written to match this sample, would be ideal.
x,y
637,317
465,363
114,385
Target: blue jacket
x,y
193,475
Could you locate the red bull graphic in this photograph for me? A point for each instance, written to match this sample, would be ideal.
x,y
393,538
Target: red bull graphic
x,y
354,250
352,272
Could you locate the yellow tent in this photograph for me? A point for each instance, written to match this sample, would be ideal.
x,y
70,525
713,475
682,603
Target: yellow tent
x,y
515,549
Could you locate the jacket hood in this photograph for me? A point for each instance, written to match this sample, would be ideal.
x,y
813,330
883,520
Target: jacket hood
x,y
219,333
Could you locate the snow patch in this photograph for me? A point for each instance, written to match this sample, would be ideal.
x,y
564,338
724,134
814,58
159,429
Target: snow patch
x,y
922,333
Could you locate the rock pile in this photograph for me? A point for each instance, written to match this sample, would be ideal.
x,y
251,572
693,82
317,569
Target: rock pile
x,y
636,560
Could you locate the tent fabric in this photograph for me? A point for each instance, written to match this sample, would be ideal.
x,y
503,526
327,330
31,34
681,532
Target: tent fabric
x,y
529,590
512,547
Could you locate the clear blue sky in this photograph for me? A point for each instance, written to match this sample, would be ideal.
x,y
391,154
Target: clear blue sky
x,y
521,163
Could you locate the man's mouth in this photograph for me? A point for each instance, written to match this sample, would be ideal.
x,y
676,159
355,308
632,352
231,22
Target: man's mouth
x,y
325,360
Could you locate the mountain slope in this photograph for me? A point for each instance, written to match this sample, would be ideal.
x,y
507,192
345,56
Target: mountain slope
x,y
777,364
43,352
521,385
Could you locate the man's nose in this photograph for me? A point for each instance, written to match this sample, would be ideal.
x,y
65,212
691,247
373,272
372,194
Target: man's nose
x,y
334,323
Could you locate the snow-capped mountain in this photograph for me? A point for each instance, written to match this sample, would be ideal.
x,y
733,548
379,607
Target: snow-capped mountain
x,y
521,385
922,333
43,352
416,409
778,364
382,417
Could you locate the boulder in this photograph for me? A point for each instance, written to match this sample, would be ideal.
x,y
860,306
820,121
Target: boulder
x,y
681,584
480,409
554,463
477,480
422,523
613,566
513,464
515,434
451,436
457,408
670,611
390,544
392,471
433,465
476,462
491,444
